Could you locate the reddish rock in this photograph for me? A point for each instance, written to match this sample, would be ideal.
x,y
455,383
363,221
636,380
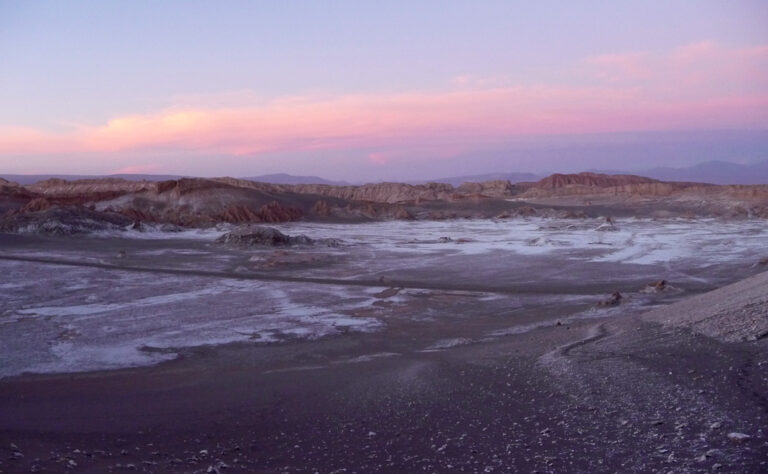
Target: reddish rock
x,y
275,212
402,213
138,214
526,211
558,180
321,208
37,204
184,186
239,214
614,300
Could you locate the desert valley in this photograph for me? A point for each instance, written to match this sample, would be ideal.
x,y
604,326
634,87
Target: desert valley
x,y
360,237
583,322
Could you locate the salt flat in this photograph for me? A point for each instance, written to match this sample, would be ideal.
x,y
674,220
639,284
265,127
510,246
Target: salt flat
x,y
524,274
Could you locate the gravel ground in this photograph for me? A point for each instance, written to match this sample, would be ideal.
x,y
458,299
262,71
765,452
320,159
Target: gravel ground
x,y
619,396
737,312
615,393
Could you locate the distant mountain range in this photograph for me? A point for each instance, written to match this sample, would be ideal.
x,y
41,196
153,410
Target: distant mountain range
x,y
715,172
25,179
282,178
479,178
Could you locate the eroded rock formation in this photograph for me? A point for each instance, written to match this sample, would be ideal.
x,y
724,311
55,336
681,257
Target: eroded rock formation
x,y
260,236
203,202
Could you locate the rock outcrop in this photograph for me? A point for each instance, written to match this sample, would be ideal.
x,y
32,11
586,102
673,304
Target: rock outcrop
x,y
13,196
389,193
64,220
558,180
321,208
614,300
201,202
272,212
259,236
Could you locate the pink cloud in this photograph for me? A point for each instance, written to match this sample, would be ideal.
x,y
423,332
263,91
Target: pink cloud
x,y
23,139
699,70
698,86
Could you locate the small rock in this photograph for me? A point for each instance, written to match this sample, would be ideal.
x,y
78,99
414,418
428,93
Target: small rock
x,y
614,300
738,437
714,453
388,293
715,426
656,286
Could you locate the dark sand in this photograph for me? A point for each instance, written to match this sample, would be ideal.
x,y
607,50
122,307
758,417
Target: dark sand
x,y
630,396
617,394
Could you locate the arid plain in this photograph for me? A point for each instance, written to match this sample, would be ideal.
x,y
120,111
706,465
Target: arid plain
x,y
584,323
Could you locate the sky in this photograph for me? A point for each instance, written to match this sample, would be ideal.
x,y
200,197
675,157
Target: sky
x,y
365,90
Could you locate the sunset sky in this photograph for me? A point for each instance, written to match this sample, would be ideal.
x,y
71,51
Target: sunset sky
x,y
362,90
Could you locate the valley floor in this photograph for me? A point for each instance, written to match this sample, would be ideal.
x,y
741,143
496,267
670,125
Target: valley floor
x,y
485,356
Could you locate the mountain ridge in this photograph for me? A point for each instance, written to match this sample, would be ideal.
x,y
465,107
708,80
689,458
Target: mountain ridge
x,y
713,172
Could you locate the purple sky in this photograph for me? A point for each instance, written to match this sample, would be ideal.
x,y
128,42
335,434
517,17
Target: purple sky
x,y
380,90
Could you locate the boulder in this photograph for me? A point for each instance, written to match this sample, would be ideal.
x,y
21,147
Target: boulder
x,y
249,236
259,236
614,300
656,286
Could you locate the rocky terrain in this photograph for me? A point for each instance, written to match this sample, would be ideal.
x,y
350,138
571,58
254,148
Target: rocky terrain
x,y
738,312
257,236
198,202
472,345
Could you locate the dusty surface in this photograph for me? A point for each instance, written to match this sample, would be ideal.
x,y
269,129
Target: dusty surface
x,y
738,312
618,396
398,352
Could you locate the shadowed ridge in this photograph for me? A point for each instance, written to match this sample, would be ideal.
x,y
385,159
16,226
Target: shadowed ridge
x,y
559,180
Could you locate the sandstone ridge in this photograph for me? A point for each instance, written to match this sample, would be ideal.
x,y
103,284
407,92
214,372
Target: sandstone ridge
x,y
196,202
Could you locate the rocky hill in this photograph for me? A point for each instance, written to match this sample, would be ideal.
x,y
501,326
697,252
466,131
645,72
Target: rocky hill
x,y
638,186
13,196
203,202
558,180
